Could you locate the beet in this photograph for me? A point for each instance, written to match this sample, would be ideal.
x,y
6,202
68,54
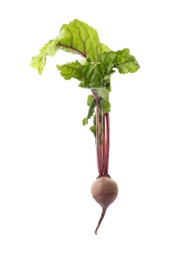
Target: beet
x,y
104,190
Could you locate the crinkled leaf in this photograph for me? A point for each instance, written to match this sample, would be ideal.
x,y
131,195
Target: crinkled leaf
x,y
94,71
48,48
38,62
82,38
131,66
95,76
71,70
122,60
125,62
76,70
107,60
76,37
92,75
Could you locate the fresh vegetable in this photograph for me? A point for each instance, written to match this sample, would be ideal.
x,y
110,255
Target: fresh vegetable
x,y
104,190
93,73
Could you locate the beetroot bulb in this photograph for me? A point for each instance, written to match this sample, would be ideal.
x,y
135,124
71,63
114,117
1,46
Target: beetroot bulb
x,y
104,190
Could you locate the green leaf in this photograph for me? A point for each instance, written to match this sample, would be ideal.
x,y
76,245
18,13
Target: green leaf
x,y
89,100
91,109
85,121
92,104
76,37
76,70
81,38
71,70
102,92
38,62
125,62
104,48
93,129
94,71
107,60
105,105
91,75
48,48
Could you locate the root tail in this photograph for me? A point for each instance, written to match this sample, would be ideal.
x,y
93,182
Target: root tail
x,y
100,220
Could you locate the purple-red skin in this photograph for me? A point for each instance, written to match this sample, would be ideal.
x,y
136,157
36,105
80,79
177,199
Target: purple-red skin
x,y
104,190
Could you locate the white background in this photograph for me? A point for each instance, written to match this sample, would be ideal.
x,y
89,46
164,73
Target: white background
x,y
47,158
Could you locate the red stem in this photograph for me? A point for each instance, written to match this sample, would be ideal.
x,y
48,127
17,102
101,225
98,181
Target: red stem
x,y
106,144
102,150
103,139
98,150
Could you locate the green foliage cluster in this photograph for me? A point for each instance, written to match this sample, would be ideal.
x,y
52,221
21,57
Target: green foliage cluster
x,y
95,70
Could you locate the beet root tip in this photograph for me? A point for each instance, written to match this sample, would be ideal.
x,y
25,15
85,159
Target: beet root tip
x,y
100,220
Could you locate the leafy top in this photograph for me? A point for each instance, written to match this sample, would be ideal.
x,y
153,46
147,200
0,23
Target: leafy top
x,y
76,37
95,70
